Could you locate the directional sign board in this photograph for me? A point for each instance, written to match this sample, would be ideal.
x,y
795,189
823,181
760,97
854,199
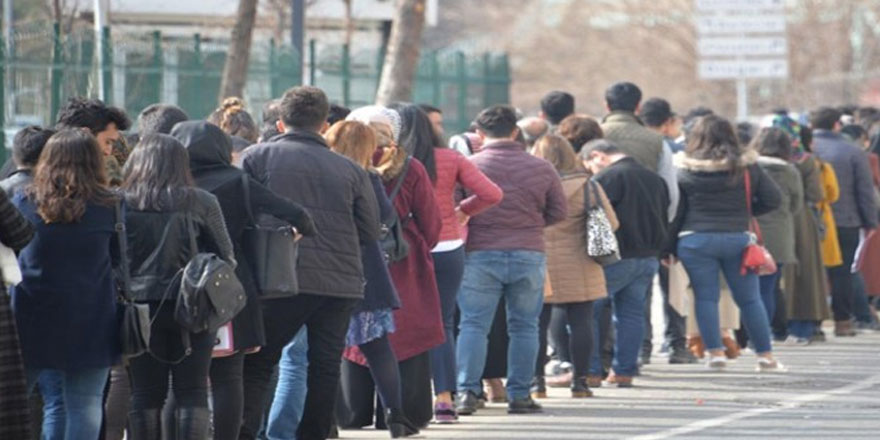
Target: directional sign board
x,y
740,5
735,69
741,24
746,46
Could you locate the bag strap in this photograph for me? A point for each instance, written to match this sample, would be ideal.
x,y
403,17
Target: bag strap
x,y
122,238
400,179
246,184
754,227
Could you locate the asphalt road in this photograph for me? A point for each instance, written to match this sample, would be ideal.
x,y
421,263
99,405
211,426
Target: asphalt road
x,y
832,391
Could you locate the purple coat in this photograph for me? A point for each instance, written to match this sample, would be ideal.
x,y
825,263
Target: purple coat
x,y
533,199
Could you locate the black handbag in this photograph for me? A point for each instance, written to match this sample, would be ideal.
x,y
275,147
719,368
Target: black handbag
x,y
134,330
210,294
272,252
393,243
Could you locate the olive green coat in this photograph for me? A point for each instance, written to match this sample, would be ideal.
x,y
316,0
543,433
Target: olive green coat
x,y
777,226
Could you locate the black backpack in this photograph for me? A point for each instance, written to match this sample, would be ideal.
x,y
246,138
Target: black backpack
x,y
392,240
210,294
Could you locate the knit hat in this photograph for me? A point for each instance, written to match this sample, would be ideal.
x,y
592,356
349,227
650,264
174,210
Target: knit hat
x,y
377,113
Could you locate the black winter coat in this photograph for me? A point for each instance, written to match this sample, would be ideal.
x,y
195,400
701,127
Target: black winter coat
x,y
712,200
210,160
337,193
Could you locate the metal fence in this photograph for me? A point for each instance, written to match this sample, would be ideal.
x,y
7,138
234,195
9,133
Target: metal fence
x,y
45,67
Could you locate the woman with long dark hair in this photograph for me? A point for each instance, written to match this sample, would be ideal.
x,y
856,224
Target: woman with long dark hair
x,y
210,159
164,207
712,226
65,305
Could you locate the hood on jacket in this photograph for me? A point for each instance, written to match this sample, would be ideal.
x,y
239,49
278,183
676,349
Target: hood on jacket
x,y
683,161
206,143
773,161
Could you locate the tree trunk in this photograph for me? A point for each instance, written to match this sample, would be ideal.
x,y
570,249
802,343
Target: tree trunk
x,y
402,59
235,71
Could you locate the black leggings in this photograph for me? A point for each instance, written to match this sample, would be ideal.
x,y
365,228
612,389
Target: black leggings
x,y
384,370
580,323
227,395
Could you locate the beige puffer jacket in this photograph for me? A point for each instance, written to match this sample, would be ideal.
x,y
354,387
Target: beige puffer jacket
x,y
572,276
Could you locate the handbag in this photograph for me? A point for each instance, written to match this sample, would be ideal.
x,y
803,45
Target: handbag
x,y
134,330
756,258
272,253
210,294
602,244
393,243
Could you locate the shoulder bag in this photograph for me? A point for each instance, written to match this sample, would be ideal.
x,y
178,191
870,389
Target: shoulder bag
x,y
602,244
392,240
756,257
134,330
272,253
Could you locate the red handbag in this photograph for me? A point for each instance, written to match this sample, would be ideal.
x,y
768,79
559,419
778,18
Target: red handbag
x,y
756,257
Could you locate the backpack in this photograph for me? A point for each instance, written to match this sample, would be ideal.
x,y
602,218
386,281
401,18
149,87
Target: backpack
x,y
210,294
392,241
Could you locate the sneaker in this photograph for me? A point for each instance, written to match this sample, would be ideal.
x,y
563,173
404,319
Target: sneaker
x,y
482,400
526,405
467,403
594,381
794,341
866,327
444,414
560,380
539,388
682,356
580,389
717,363
770,366
819,336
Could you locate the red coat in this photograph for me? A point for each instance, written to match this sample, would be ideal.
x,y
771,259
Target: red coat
x,y
418,321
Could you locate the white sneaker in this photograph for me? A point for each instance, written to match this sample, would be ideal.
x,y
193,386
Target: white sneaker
x,y
717,363
795,341
770,366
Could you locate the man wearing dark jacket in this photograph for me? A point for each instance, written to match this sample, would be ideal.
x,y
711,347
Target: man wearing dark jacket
x,y
26,149
506,259
641,201
298,165
854,210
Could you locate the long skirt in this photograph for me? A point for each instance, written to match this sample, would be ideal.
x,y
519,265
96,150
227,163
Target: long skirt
x,y
806,283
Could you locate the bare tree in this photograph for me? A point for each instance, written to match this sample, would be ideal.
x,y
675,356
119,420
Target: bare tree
x,y
401,61
235,70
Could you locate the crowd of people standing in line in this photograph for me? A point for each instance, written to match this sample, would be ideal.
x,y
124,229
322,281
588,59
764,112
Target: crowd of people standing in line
x,y
428,271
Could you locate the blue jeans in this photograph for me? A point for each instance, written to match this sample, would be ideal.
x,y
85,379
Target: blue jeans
x,y
861,307
801,329
768,291
449,268
703,256
73,401
628,281
290,394
518,276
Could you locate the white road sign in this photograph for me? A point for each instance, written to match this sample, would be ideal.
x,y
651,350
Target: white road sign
x,y
733,69
708,6
741,24
747,46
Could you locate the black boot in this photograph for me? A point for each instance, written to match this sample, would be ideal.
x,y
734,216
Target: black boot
x,y
398,424
192,423
145,425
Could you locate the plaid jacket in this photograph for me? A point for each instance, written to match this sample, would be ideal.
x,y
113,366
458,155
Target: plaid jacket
x,y
15,232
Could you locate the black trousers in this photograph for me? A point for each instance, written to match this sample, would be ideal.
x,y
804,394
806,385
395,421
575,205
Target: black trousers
x,y
841,277
327,319
579,318
188,379
359,406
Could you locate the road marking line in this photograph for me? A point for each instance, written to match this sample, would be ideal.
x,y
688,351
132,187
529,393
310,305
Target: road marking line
x,y
792,403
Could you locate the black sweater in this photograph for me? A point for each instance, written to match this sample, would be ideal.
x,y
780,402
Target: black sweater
x,y
640,200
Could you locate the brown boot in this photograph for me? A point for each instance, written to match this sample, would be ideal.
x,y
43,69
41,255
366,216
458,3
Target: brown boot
x,y
843,329
696,346
594,381
620,381
731,347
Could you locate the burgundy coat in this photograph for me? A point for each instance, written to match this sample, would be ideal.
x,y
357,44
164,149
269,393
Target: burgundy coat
x,y
418,321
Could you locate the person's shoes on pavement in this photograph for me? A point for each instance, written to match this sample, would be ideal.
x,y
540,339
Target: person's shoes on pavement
x,y
539,388
717,363
770,366
580,389
525,405
594,381
466,403
620,381
794,341
682,356
843,329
